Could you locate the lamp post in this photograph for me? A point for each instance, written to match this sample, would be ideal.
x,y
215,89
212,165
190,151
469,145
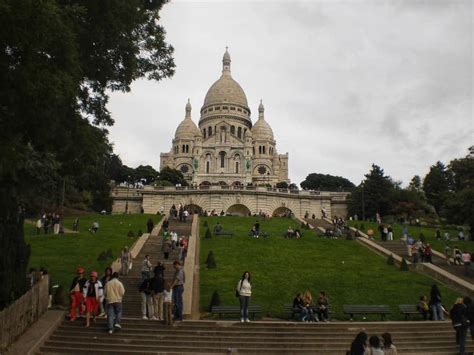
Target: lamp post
x,y
128,189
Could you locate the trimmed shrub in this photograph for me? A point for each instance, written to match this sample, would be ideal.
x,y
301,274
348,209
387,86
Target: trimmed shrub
x,y
59,297
390,260
130,234
404,265
215,300
102,256
139,233
208,234
211,261
205,224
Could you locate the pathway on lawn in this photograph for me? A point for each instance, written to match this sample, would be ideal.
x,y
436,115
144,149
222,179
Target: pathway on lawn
x,y
66,230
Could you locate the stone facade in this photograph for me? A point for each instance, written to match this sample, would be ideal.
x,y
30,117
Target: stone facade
x,y
231,200
226,149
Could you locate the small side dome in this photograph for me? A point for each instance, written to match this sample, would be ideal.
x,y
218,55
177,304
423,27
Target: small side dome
x,y
261,129
187,129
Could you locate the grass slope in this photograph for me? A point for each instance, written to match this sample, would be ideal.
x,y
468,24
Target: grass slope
x,y
414,231
347,271
62,254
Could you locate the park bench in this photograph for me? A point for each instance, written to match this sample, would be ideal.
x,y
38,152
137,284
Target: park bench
x,y
293,312
408,309
365,309
223,232
220,310
260,234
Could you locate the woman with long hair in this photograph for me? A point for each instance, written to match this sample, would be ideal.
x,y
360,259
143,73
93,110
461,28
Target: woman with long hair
x,y
388,347
244,290
458,316
359,344
435,303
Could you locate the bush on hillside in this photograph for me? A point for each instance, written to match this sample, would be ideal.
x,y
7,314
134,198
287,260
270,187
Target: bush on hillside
x,y
205,224
404,265
130,234
215,300
390,260
208,234
362,227
422,238
139,233
210,261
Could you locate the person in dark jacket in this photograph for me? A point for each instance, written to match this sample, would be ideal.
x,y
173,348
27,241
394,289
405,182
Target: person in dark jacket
x,y
298,307
458,316
149,225
158,286
159,269
146,292
470,314
435,303
359,344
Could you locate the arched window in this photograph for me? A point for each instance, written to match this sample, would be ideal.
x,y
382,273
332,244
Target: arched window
x,y
209,131
239,132
208,165
263,149
232,130
222,156
236,167
204,133
187,148
183,148
259,149
253,150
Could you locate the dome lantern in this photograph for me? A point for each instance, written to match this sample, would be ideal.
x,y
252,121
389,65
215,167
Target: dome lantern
x,y
226,61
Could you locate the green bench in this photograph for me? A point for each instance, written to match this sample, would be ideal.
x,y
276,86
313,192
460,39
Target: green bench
x,y
223,233
366,309
220,310
408,309
293,312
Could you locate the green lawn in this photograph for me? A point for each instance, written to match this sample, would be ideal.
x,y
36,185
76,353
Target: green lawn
x,y
62,254
347,271
414,231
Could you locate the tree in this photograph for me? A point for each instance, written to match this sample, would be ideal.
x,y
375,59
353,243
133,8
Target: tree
x,y
57,62
326,182
173,176
374,194
415,184
436,185
146,174
281,185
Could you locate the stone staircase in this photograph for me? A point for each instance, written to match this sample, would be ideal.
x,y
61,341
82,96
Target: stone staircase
x,y
322,223
153,247
397,247
151,337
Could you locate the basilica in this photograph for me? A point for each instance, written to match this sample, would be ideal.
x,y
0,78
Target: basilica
x,y
226,148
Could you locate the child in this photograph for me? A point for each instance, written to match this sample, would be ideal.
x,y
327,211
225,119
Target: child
x,y
167,304
423,307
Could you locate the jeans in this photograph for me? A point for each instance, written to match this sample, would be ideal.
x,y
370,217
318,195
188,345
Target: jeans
x,y
147,303
244,307
178,301
461,335
437,311
114,314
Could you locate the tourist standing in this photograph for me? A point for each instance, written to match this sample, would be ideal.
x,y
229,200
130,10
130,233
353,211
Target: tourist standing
x,y
178,289
458,316
75,225
114,292
428,253
77,299
149,225
166,248
104,280
56,220
435,303
158,284
447,253
174,240
146,267
159,269
39,225
165,225
244,289
167,305
146,290
92,292
388,347
125,261
470,314
466,259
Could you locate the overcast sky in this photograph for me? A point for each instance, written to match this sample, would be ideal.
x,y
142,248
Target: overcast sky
x,y
345,84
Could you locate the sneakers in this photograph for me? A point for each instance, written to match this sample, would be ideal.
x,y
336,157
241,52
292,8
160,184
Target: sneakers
x,y
154,318
111,331
247,320
242,320
101,315
145,318
117,326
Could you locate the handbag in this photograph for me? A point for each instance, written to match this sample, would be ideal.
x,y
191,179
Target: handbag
x,y
237,293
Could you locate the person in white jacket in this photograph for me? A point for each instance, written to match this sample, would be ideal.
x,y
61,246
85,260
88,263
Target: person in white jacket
x,y
114,292
244,291
92,292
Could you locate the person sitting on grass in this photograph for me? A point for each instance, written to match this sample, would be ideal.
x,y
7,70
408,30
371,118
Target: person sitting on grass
x,y
218,228
94,227
290,232
299,307
297,234
423,308
322,308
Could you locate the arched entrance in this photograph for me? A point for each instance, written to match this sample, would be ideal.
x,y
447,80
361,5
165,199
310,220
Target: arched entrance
x,y
194,209
283,212
204,185
238,210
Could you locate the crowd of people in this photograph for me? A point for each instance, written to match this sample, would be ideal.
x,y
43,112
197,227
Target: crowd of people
x,y
180,213
374,346
49,222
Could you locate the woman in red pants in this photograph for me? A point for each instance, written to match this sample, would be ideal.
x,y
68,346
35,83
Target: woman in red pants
x,y
92,292
77,299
